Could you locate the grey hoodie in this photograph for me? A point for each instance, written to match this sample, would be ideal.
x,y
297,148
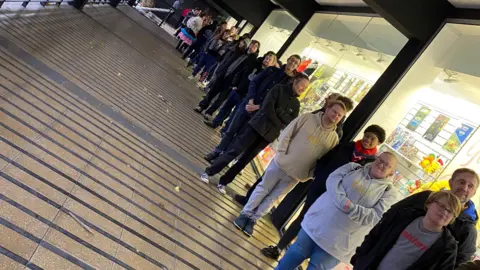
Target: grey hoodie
x,y
340,219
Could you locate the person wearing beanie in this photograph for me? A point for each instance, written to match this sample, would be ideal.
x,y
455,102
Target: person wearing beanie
x,y
361,152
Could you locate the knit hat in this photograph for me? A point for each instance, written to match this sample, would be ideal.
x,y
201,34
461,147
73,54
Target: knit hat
x,y
378,131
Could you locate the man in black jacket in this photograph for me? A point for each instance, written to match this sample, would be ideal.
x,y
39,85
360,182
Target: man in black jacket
x,y
362,152
220,88
463,184
279,108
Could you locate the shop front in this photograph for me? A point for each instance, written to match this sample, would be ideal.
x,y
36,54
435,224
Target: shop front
x,y
275,31
341,54
432,115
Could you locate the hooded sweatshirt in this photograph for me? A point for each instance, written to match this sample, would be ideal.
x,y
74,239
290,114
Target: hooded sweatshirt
x,y
340,219
302,143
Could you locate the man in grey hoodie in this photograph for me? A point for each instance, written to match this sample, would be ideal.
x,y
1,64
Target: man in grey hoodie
x,y
304,140
339,220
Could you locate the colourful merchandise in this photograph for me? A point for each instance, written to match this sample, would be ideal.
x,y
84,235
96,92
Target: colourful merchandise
x,y
430,164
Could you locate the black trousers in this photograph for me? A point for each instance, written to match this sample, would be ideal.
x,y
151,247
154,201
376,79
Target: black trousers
x,y
249,143
215,91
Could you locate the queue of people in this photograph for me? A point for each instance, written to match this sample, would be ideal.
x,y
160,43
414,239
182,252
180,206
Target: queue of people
x,y
352,212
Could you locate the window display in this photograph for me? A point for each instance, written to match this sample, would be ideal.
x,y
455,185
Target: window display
x,y
341,54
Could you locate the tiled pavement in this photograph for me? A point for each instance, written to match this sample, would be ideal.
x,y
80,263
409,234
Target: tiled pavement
x,y
96,132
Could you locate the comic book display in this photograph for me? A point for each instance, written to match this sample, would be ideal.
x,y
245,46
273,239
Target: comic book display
x,y
425,142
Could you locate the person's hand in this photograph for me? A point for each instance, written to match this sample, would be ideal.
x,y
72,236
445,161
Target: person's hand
x,y
251,108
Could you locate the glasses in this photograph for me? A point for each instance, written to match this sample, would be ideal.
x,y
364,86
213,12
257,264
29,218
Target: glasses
x,y
444,208
384,163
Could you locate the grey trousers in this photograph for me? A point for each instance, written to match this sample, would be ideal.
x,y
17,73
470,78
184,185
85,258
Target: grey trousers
x,y
275,184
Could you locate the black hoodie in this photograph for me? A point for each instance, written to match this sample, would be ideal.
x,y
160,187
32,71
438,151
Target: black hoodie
x,y
463,229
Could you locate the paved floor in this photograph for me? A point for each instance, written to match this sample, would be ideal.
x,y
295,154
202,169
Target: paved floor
x,y
100,151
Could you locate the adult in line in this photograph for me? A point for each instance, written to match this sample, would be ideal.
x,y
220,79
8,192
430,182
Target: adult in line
x,y
409,238
221,88
188,34
279,108
187,16
257,90
361,152
239,88
339,220
464,184
332,97
205,35
301,143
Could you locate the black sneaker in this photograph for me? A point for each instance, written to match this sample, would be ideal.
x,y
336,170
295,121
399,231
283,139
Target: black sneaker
x,y
241,221
248,229
242,200
272,252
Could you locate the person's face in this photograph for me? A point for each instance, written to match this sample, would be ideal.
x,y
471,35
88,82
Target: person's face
x,y
253,48
464,186
299,86
383,166
335,113
369,140
268,61
292,63
242,44
439,212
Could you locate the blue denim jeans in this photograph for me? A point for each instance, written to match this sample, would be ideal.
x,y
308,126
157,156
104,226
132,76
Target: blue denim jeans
x,y
304,248
233,99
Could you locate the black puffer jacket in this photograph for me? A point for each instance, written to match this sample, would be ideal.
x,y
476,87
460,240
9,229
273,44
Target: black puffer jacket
x,y
463,229
242,79
279,108
440,256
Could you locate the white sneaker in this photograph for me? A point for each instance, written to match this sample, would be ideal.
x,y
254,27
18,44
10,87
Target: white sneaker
x,y
221,189
191,77
232,163
187,59
205,178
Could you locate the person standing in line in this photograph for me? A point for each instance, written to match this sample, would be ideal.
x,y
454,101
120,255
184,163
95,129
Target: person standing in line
x,y
257,90
177,4
332,97
188,35
278,109
214,53
464,184
304,140
361,152
338,221
409,238
186,15
208,33
221,87
239,88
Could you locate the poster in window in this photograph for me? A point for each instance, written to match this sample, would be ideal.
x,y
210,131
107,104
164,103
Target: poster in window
x,y
418,118
458,137
397,138
408,149
436,127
